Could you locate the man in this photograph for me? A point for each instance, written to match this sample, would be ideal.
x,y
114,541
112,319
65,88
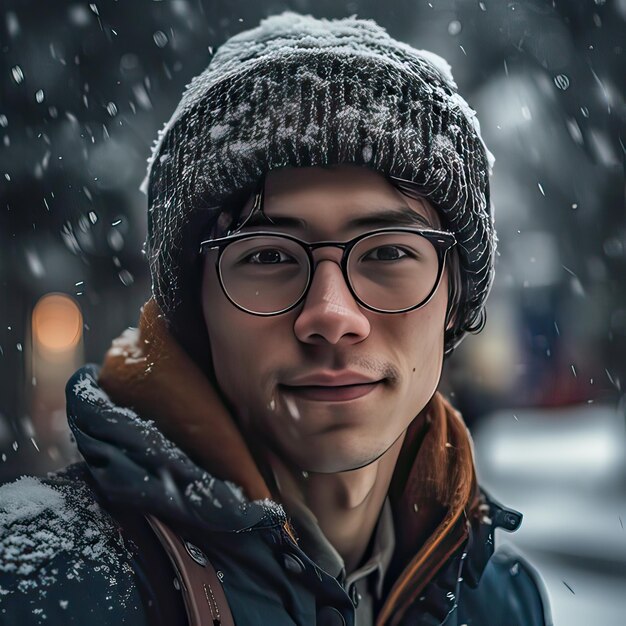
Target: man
x,y
269,447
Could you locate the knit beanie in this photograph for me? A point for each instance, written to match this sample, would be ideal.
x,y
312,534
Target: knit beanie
x,y
299,91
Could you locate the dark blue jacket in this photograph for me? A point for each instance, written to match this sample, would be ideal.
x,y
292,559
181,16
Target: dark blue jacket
x,y
75,547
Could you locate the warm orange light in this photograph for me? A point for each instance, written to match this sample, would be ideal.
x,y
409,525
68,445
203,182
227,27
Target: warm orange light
x,y
57,323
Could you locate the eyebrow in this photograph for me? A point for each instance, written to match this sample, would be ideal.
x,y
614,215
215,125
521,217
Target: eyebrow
x,y
399,216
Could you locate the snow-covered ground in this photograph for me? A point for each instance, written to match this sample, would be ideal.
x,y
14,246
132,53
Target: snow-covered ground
x,y
565,470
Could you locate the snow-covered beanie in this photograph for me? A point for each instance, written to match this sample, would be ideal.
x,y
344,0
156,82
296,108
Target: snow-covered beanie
x,y
300,91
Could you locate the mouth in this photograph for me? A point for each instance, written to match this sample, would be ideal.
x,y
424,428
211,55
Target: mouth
x,y
331,393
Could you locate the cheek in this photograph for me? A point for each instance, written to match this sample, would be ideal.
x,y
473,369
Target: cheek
x,y
425,352
228,335
421,337
244,347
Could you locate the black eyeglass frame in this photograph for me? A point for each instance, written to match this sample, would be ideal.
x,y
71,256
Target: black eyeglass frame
x,y
442,241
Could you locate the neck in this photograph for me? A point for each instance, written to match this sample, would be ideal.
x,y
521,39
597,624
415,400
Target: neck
x,y
347,505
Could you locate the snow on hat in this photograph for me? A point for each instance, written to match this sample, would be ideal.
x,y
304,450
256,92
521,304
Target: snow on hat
x,y
299,91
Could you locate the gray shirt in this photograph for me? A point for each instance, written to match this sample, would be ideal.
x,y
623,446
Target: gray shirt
x,y
366,582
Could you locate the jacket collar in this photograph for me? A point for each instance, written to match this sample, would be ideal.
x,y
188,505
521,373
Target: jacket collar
x,y
134,465
443,519
435,496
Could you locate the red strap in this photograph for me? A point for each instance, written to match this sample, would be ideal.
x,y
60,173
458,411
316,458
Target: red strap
x,y
204,596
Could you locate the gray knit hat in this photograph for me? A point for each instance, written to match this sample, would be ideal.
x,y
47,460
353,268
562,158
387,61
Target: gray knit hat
x,y
299,91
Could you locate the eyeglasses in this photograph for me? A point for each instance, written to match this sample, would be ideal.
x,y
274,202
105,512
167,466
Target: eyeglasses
x,y
389,270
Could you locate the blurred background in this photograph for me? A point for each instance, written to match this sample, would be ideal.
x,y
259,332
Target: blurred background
x,y
84,89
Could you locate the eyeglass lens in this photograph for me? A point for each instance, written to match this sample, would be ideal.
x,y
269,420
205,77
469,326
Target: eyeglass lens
x,y
387,271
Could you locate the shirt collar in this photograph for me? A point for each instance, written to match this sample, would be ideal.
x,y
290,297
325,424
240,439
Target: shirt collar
x,y
382,551
318,547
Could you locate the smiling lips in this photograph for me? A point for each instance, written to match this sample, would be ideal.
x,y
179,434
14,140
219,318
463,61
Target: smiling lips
x,y
332,386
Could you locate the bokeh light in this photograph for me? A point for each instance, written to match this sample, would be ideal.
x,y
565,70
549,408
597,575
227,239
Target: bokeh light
x,y
57,323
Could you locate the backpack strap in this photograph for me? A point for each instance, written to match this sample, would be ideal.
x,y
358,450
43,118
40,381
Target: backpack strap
x,y
203,593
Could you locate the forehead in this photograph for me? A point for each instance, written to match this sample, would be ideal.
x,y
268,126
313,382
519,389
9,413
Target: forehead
x,y
339,199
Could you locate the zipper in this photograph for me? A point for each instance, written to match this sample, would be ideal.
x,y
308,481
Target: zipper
x,y
212,602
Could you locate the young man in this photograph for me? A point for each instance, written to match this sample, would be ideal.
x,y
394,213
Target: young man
x,y
270,446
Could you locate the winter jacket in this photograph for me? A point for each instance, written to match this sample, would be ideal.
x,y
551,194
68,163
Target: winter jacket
x,y
76,547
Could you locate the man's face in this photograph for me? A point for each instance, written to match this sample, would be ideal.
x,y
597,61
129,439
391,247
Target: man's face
x,y
260,361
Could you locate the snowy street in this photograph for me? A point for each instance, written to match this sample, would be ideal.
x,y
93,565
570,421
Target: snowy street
x,y
564,470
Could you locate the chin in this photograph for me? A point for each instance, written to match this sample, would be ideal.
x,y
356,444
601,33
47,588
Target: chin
x,y
331,459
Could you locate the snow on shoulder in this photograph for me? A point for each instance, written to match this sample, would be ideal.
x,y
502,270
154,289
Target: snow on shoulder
x,y
53,530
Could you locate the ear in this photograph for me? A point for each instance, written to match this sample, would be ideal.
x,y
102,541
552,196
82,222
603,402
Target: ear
x,y
452,315
454,293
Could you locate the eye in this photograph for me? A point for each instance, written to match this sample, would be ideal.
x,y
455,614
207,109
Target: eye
x,y
386,253
269,256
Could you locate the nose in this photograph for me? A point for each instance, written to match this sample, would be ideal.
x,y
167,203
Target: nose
x,y
330,313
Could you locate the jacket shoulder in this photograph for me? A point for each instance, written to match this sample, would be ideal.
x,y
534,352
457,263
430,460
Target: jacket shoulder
x,y
62,556
511,591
